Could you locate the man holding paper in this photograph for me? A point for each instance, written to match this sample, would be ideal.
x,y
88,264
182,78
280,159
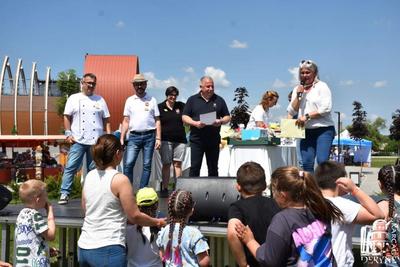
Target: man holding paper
x,y
205,112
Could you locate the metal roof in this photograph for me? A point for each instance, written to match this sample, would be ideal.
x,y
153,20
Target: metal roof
x,y
114,75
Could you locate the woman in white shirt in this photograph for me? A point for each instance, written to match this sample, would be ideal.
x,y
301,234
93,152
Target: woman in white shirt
x,y
312,103
260,114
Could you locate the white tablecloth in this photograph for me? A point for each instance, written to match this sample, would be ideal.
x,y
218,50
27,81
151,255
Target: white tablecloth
x,y
230,159
269,157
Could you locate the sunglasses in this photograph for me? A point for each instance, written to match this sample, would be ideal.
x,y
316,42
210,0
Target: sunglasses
x,y
139,84
93,84
306,63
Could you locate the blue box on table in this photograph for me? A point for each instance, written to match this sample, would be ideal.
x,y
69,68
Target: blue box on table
x,y
253,134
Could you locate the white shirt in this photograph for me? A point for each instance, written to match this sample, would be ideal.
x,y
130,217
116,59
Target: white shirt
x,y
87,114
141,254
258,114
318,99
342,233
33,248
142,112
105,221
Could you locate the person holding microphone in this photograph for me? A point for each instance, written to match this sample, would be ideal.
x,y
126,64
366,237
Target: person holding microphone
x,y
312,103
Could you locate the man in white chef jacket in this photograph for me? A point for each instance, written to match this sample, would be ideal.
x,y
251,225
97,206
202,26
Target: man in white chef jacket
x,y
85,117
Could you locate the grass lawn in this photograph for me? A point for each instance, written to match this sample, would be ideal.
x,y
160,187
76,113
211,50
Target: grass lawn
x,y
379,161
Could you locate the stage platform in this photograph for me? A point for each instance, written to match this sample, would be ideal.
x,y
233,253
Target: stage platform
x,y
69,220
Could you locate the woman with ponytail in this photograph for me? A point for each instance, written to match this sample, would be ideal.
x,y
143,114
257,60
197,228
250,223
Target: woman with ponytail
x,y
108,203
180,244
300,234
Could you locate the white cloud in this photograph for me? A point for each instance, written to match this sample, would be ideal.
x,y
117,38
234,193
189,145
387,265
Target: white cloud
x,y
347,83
380,84
155,83
120,24
218,75
238,44
295,76
374,117
278,84
188,70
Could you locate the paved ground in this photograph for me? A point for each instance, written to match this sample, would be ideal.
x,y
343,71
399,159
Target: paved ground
x,y
369,180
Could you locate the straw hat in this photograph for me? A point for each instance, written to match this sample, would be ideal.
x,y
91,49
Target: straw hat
x,y
139,78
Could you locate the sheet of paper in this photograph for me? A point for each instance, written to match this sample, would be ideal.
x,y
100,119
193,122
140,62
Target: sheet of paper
x,y
289,129
208,118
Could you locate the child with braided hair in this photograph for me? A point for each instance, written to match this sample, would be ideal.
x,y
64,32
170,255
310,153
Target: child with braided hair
x,y
180,244
389,182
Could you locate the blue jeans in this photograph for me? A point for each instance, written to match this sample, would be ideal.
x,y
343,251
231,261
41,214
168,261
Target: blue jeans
x,y
114,255
136,142
74,163
318,144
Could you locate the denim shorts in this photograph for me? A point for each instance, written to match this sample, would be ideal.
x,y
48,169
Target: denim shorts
x,y
172,151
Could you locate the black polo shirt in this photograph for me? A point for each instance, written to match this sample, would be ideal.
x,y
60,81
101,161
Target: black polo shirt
x,y
171,122
197,105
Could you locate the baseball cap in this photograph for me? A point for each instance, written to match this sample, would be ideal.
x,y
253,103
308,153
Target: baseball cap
x,y
146,196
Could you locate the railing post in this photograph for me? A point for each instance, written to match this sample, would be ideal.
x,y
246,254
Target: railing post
x,y
5,242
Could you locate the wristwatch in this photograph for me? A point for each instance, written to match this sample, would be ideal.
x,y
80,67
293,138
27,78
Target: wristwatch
x,y
67,133
307,117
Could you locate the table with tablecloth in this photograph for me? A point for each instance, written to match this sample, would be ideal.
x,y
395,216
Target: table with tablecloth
x,y
230,159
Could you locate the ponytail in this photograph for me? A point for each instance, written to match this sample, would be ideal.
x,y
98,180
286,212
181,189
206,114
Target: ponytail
x,y
322,208
302,187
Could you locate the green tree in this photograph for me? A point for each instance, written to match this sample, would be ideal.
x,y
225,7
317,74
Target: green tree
x,y
240,114
395,128
68,84
374,133
358,130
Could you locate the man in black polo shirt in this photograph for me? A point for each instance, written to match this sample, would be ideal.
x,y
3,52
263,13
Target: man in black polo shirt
x,y
205,138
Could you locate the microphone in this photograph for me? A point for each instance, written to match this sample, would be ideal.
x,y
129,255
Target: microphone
x,y
300,94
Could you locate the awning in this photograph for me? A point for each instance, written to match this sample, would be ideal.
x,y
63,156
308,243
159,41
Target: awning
x,y
30,140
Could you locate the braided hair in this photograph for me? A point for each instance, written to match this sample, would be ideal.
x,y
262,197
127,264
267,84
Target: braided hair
x,y
180,205
388,176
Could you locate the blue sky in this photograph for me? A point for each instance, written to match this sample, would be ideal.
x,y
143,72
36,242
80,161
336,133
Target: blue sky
x,y
256,44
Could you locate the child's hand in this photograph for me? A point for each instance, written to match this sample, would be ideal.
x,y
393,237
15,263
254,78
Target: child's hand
x,y
244,233
5,264
345,184
54,252
248,235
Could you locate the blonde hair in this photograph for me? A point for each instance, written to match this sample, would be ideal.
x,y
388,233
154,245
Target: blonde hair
x,y
31,189
268,97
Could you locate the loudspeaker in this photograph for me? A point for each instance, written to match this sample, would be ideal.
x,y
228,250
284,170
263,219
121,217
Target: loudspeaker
x,y
213,196
5,196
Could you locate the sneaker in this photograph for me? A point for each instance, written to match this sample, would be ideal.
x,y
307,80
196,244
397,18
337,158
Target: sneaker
x,y
63,199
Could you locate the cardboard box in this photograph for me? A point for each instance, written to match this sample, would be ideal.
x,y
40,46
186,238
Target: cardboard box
x,y
253,134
